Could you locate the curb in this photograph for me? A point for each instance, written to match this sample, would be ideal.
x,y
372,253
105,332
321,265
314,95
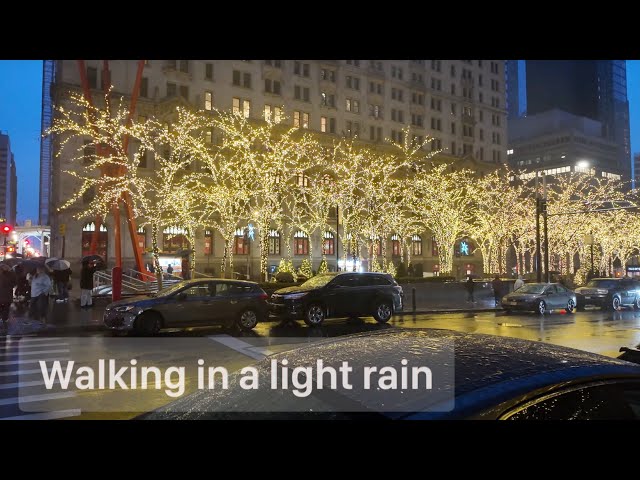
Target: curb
x,y
426,312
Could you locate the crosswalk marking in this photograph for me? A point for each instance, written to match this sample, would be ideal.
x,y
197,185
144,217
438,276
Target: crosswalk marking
x,y
34,383
35,398
22,362
257,353
37,345
47,415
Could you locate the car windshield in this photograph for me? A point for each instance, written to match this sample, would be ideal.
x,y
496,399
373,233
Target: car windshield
x,y
318,281
169,290
531,288
602,283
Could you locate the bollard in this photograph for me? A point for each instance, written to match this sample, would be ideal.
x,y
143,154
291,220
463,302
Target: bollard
x,y
116,284
413,298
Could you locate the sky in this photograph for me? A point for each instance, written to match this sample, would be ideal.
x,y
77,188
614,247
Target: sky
x,y
20,106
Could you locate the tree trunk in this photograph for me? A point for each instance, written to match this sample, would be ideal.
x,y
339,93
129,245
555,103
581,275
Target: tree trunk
x,y
156,256
223,267
264,251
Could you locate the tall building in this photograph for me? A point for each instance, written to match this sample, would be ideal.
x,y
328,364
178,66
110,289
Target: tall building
x,y
595,89
46,150
8,181
461,103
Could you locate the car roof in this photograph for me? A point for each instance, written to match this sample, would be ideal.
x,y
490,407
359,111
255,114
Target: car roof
x,y
207,279
488,369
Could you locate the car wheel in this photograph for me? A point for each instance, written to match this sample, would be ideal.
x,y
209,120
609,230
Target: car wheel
x,y
542,307
314,315
616,303
383,312
248,320
148,324
636,304
570,306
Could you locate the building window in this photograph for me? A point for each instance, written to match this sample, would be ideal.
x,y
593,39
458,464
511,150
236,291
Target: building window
x,y
327,99
323,124
208,71
328,75
144,87
172,89
208,100
376,246
395,245
241,107
272,86
174,239
236,78
208,136
208,241
300,243
274,242
352,82
87,234
184,66
241,242
184,92
434,247
273,114
328,244
145,159
416,245
300,119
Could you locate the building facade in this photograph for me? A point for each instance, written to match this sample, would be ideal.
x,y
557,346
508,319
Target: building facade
x,y
594,89
460,103
560,142
8,181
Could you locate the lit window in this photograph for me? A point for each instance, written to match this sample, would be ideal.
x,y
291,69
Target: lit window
x,y
267,112
323,124
236,105
305,120
277,114
208,100
510,151
246,108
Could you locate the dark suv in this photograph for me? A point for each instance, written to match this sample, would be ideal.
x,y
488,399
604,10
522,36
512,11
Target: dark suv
x,y
332,295
609,293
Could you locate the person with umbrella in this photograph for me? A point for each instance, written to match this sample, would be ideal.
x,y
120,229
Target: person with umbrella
x,y
40,287
7,282
86,282
61,274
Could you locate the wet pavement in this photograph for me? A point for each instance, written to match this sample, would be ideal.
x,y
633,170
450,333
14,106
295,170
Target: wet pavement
x,y
602,332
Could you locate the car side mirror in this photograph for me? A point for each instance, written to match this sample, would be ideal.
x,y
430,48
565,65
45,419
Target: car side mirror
x,y
182,296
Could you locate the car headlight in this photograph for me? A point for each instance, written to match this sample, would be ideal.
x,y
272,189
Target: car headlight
x,y
127,308
295,296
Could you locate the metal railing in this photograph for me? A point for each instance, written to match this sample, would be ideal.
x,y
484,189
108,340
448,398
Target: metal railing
x,y
132,283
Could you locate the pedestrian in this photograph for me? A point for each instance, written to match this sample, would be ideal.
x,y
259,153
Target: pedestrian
x,y
170,269
497,289
40,287
61,277
470,286
186,274
86,284
518,283
7,282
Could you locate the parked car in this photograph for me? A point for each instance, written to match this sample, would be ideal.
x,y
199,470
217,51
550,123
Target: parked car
x,y
609,293
540,297
191,303
495,378
334,295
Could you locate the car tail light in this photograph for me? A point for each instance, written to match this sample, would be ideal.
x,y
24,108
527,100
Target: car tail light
x,y
263,296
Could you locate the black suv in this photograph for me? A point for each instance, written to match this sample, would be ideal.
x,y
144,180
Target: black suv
x,y
609,293
334,295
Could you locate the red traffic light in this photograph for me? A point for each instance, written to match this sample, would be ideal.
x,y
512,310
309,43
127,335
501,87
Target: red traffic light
x,y
6,228
26,242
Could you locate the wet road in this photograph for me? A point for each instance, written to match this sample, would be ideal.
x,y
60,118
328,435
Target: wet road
x,y
602,332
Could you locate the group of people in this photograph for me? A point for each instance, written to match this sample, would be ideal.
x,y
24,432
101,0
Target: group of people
x,y
36,287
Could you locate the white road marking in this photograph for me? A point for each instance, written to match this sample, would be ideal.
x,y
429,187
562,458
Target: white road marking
x,y
20,372
22,362
257,353
37,345
35,398
34,383
47,415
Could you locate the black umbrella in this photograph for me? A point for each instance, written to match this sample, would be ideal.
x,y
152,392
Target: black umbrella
x,y
12,262
29,266
93,258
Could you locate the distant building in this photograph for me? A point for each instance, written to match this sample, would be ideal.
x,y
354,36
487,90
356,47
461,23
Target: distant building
x,y
636,170
595,89
460,103
560,142
8,181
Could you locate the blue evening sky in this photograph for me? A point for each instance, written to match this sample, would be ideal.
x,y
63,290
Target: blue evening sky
x,y
20,105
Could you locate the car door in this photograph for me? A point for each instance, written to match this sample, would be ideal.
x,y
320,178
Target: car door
x,y
627,292
338,296
562,296
551,297
185,307
219,306
240,297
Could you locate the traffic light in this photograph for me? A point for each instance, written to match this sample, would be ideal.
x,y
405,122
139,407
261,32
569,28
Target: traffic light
x,y
26,243
6,229
10,249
